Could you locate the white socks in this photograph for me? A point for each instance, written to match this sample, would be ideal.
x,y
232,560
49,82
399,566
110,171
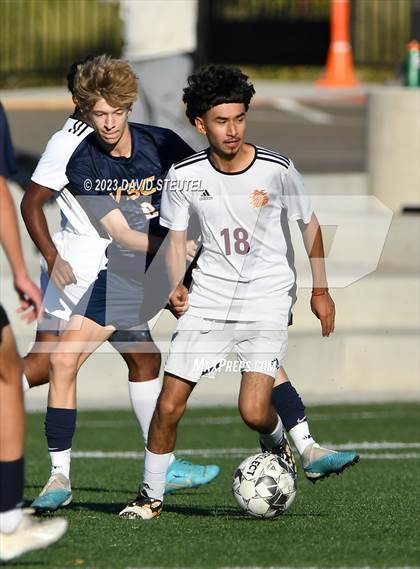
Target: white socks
x,y
155,467
9,520
273,439
301,436
25,384
143,397
60,462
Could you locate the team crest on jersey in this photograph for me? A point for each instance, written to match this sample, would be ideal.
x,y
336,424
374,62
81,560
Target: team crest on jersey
x,y
258,198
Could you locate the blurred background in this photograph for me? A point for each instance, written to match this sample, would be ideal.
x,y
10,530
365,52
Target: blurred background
x,y
337,90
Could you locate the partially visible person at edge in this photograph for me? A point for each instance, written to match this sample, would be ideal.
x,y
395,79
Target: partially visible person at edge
x,y
161,50
20,532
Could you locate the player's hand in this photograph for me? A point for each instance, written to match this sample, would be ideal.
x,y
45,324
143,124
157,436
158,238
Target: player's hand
x,y
191,250
324,308
61,272
178,301
30,302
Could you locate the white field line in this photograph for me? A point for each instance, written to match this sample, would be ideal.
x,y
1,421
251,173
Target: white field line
x,y
283,567
390,456
364,415
238,452
366,445
295,108
312,567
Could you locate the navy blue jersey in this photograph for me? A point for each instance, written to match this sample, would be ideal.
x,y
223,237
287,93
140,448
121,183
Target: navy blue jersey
x,y
101,182
7,158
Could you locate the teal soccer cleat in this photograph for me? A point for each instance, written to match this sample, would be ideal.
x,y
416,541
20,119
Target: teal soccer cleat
x,y
55,494
183,474
319,463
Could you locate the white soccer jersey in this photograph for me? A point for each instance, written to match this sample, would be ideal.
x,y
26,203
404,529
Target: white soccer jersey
x,y
245,271
51,173
78,242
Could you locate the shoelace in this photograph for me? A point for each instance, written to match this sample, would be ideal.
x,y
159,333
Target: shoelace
x,y
189,465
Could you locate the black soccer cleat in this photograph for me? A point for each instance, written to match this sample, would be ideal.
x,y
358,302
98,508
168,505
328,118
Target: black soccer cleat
x,y
142,508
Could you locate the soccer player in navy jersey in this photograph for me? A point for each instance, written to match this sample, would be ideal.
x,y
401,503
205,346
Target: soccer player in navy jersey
x,y
110,192
20,532
243,287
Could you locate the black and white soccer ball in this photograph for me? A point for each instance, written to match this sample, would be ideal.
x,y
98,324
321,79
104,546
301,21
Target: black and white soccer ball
x,y
263,485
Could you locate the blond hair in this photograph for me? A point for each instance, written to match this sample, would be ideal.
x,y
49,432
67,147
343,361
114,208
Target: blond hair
x,y
105,78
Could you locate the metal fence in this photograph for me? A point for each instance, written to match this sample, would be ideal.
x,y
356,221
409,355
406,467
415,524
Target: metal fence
x,y
264,32
47,35
290,32
241,10
381,29
44,36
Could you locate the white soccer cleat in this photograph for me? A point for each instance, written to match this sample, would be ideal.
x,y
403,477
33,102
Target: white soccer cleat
x,y
31,534
55,494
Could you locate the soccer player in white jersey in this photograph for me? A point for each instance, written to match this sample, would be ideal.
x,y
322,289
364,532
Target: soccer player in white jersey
x,y
244,284
71,261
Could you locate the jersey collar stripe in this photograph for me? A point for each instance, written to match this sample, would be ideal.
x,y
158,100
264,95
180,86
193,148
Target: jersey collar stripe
x,y
182,164
270,151
193,157
263,151
275,160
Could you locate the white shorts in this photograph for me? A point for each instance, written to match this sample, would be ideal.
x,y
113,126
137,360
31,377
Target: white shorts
x,y
86,256
200,347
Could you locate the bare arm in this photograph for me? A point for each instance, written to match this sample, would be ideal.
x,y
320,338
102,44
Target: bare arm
x,y
9,231
28,292
175,262
117,227
322,304
175,257
176,253
33,215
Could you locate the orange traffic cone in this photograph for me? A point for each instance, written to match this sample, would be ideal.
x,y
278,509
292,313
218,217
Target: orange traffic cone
x,y
339,68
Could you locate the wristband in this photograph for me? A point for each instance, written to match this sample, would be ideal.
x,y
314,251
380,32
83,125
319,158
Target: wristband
x,y
320,293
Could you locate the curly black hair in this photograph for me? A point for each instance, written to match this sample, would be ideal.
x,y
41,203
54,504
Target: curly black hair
x,y
214,85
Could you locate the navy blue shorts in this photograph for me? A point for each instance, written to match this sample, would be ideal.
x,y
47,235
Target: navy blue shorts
x,y
117,301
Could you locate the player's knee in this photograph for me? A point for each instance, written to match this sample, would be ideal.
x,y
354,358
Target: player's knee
x,y
254,415
142,367
63,365
169,411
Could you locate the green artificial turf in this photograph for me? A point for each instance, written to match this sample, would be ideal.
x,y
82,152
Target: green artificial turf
x,y
367,517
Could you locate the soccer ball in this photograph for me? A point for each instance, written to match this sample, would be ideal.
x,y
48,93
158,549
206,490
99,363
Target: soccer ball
x,y
263,485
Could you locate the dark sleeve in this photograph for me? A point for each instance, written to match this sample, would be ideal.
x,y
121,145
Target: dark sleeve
x,y
174,149
7,158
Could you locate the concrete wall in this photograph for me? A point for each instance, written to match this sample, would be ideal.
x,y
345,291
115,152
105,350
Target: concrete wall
x,y
394,146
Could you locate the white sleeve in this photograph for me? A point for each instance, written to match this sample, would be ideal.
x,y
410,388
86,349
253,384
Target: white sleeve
x,y
51,169
175,208
294,198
